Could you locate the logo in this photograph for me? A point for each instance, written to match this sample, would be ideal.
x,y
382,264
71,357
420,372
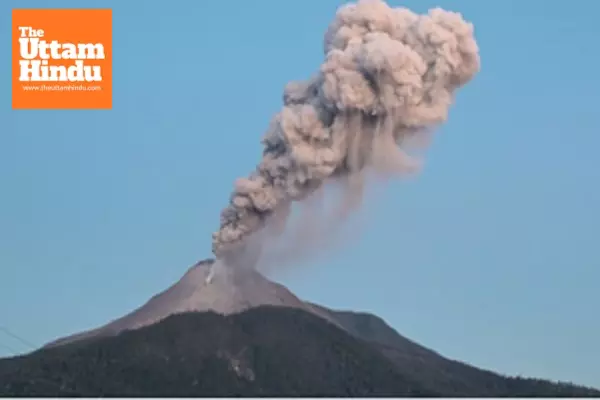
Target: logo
x,y
62,59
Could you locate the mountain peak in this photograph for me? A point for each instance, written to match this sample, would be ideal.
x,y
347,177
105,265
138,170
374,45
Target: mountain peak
x,y
206,286
209,288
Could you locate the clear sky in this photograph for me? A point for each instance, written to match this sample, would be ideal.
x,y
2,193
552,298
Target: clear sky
x,y
490,256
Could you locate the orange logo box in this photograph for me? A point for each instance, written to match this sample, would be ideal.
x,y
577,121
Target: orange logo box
x,y
62,59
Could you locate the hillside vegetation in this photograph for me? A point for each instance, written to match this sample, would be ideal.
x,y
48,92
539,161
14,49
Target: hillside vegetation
x,y
265,351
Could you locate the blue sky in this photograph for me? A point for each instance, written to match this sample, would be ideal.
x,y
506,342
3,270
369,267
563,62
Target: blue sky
x,y
490,256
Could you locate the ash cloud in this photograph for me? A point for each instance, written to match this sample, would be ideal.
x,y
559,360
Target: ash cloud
x,y
388,76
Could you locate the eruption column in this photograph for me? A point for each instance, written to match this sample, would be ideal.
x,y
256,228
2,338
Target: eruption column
x,y
388,75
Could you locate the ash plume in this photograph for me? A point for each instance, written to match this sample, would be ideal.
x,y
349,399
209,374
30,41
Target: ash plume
x,y
388,76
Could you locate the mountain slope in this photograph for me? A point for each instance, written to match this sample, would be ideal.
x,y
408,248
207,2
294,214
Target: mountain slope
x,y
202,288
233,296
265,351
453,378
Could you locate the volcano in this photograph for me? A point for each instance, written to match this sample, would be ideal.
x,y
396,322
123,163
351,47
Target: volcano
x,y
232,332
205,287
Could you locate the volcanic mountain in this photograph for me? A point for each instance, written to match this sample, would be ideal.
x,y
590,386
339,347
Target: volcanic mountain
x,y
232,332
223,290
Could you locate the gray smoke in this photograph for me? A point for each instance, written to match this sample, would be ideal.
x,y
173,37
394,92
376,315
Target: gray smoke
x,y
388,76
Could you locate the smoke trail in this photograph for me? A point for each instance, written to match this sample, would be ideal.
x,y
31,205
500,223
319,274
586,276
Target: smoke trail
x,y
316,227
388,76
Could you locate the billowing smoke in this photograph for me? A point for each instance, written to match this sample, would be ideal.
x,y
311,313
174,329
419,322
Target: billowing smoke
x,y
388,76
